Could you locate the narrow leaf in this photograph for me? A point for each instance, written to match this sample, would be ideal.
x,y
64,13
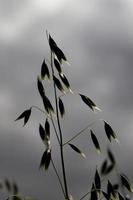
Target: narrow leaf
x,y
47,105
15,188
47,128
59,53
77,150
95,142
45,161
58,66
110,189
97,180
45,138
54,48
111,156
44,70
42,132
7,185
40,88
94,193
109,131
61,107
104,167
88,102
25,115
109,169
52,43
65,81
126,183
121,197
105,195
58,84
116,186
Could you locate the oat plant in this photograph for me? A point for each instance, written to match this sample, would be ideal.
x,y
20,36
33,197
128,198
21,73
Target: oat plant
x,y
53,111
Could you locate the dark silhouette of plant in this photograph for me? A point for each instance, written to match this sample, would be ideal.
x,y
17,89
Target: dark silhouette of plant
x,y
10,188
101,187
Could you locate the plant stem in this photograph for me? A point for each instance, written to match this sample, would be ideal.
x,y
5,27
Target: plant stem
x,y
39,109
58,176
61,139
79,133
36,107
55,128
89,193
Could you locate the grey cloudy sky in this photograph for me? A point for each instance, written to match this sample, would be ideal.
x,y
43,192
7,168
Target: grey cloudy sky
x,y
97,37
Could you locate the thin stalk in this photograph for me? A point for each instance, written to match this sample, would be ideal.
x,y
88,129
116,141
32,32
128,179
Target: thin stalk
x,y
99,190
79,133
60,132
85,195
39,109
36,107
55,128
58,176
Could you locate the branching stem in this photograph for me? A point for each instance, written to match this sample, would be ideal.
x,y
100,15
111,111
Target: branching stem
x,y
36,107
79,133
60,133
99,190
42,111
55,128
